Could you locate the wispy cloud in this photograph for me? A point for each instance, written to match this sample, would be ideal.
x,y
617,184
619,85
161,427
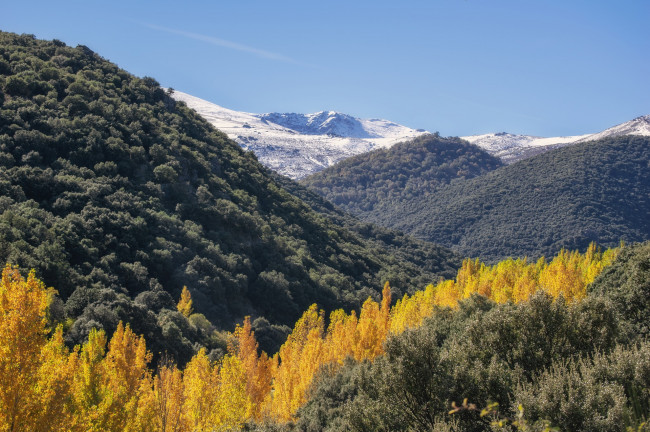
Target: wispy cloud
x,y
228,44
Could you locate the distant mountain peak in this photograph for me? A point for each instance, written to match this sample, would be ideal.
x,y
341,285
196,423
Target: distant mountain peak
x,y
321,123
297,145
637,126
512,148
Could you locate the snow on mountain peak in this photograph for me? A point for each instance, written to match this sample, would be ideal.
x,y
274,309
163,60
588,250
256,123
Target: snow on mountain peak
x,y
511,148
637,126
321,123
297,145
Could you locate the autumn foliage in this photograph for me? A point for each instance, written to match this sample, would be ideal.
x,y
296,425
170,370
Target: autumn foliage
x,y
109,385
184,305
567,275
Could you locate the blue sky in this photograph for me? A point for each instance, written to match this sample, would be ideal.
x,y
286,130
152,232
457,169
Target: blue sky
x,y
460,67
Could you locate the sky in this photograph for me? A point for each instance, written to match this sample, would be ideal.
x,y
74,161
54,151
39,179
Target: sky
x,y
459,67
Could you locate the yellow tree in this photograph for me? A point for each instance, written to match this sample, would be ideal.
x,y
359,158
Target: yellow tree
x,y
341,337
234,406
90,394
23,305
165,401
200,392
184,305
372,327
55,379
258,368
109,384
409,312
294,374
126,369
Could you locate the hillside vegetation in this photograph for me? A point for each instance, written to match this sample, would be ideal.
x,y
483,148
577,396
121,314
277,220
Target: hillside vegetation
x,y
580,365
589,192
157,235
566,356
569,197
118,196
365,184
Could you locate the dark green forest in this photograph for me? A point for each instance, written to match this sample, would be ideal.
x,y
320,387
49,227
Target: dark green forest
x,y
119,196
368,183
565,198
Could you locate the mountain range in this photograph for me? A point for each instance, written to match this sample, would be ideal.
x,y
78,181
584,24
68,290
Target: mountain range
x,y
117,195
450,192
511,147
297,145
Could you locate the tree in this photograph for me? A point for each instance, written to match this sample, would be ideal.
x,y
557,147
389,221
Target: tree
x,y
168,399
23,305
257,368
184,305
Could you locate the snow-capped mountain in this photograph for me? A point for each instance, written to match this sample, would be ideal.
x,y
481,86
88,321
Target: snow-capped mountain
x,y
297,145
638,126
511,148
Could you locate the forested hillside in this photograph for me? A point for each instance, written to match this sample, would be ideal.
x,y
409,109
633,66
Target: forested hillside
x,y
589,192
369,183
118,196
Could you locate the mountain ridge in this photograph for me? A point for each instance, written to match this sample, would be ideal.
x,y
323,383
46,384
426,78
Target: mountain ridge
x,y
297,145
512,147
592,191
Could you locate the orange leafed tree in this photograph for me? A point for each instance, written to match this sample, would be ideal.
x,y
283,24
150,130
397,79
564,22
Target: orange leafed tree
x,y
258,368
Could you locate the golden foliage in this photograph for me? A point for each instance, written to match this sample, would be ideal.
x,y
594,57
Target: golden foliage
x,y
199,384
23,305
299,358
258,368
184,305
169,399
567,275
